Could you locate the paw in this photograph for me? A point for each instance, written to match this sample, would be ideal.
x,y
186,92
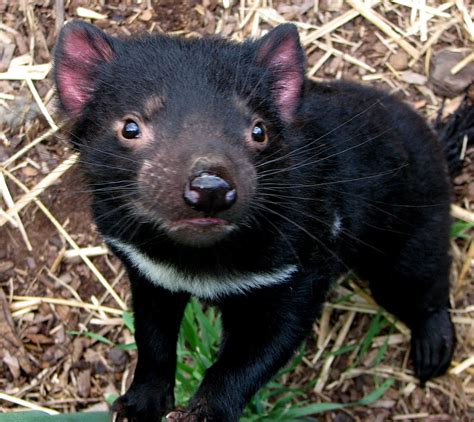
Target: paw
x,y
199,411
432,343
143,404
182,416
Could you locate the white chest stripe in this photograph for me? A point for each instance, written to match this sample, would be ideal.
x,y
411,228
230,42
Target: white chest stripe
x,y
337,225
206,287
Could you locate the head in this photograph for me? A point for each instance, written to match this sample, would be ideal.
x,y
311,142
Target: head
x,y
171,131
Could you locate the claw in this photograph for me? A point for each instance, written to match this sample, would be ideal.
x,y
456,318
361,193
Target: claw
x,y
181,416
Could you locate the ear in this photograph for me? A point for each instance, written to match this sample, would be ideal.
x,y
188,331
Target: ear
x,y
80,50
282,55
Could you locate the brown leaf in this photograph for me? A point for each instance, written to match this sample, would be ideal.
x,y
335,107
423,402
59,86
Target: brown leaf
x,y
12,363
40,339
146,15
413,78
29,171
10,344
6,54
84,383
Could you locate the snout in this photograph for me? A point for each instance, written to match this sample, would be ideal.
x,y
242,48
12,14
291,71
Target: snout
x,y
209,193
198,200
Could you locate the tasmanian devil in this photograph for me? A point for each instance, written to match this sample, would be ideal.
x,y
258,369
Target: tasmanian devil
x,y
218,170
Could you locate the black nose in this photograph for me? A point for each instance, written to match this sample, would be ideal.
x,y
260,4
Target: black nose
x,y
209,193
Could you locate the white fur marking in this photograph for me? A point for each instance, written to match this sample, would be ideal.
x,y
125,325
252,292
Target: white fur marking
x,y
336,225
206,287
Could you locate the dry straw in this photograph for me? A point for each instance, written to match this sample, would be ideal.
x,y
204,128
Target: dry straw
x,y
417,30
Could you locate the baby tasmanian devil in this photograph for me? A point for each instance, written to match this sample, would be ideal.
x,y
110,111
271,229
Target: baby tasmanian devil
x,y
218,170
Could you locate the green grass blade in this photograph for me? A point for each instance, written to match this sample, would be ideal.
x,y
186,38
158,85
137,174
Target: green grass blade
x,y
129,346
376,394
93,336
460,229
377,324
312,409
129,321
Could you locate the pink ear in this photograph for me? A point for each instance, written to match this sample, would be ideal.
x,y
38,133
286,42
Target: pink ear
x,y
80,50
281,53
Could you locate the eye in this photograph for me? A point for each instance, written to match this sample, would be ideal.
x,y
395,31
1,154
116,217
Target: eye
x,y
130,129
259,133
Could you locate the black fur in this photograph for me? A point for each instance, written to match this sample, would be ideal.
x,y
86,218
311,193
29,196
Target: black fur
x,y
336,151
455,129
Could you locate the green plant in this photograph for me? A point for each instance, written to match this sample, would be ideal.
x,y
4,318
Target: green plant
x,y
197,348
460,229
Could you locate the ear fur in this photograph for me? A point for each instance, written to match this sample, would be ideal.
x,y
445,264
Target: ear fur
x,y
281,54
80,50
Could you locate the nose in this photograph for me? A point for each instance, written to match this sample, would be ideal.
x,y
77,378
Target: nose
x,y
209,193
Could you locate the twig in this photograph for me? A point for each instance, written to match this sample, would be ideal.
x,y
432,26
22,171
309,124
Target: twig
x,y
90,251
334,24
462,64
348,58
59,10
41,186
24,301
14,214
462,214
466,18
375,18
337,344
462,366
71,241
41,105
32,144
27,404
20,73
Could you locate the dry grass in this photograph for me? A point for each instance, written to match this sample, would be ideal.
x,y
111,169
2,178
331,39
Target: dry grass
x,y
51,258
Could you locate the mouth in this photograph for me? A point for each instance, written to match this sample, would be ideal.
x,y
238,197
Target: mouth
x,y
203,231
199,222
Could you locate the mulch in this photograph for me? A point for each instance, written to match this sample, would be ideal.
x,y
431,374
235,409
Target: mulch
x,y
56,276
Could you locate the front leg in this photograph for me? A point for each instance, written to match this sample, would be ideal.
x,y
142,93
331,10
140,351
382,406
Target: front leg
x,y
262,330
157,314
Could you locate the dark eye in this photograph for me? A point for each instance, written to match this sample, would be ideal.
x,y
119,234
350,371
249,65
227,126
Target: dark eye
x,y
130,129
259,133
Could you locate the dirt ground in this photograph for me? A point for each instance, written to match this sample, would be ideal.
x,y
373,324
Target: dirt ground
x,y
43,363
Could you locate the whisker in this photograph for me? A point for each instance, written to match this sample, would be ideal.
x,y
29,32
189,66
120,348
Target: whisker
x,y
304,231
323,136
104,215
285,238
355,179
304,163
343,231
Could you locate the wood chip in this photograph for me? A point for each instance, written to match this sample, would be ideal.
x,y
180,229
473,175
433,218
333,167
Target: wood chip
x,y
82,12
41,186
10,343
6,54
413,78
380,23
33,72
335,23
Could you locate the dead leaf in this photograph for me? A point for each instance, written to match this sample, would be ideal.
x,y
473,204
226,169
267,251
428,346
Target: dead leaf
x,y
84,383
413,78
10,344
